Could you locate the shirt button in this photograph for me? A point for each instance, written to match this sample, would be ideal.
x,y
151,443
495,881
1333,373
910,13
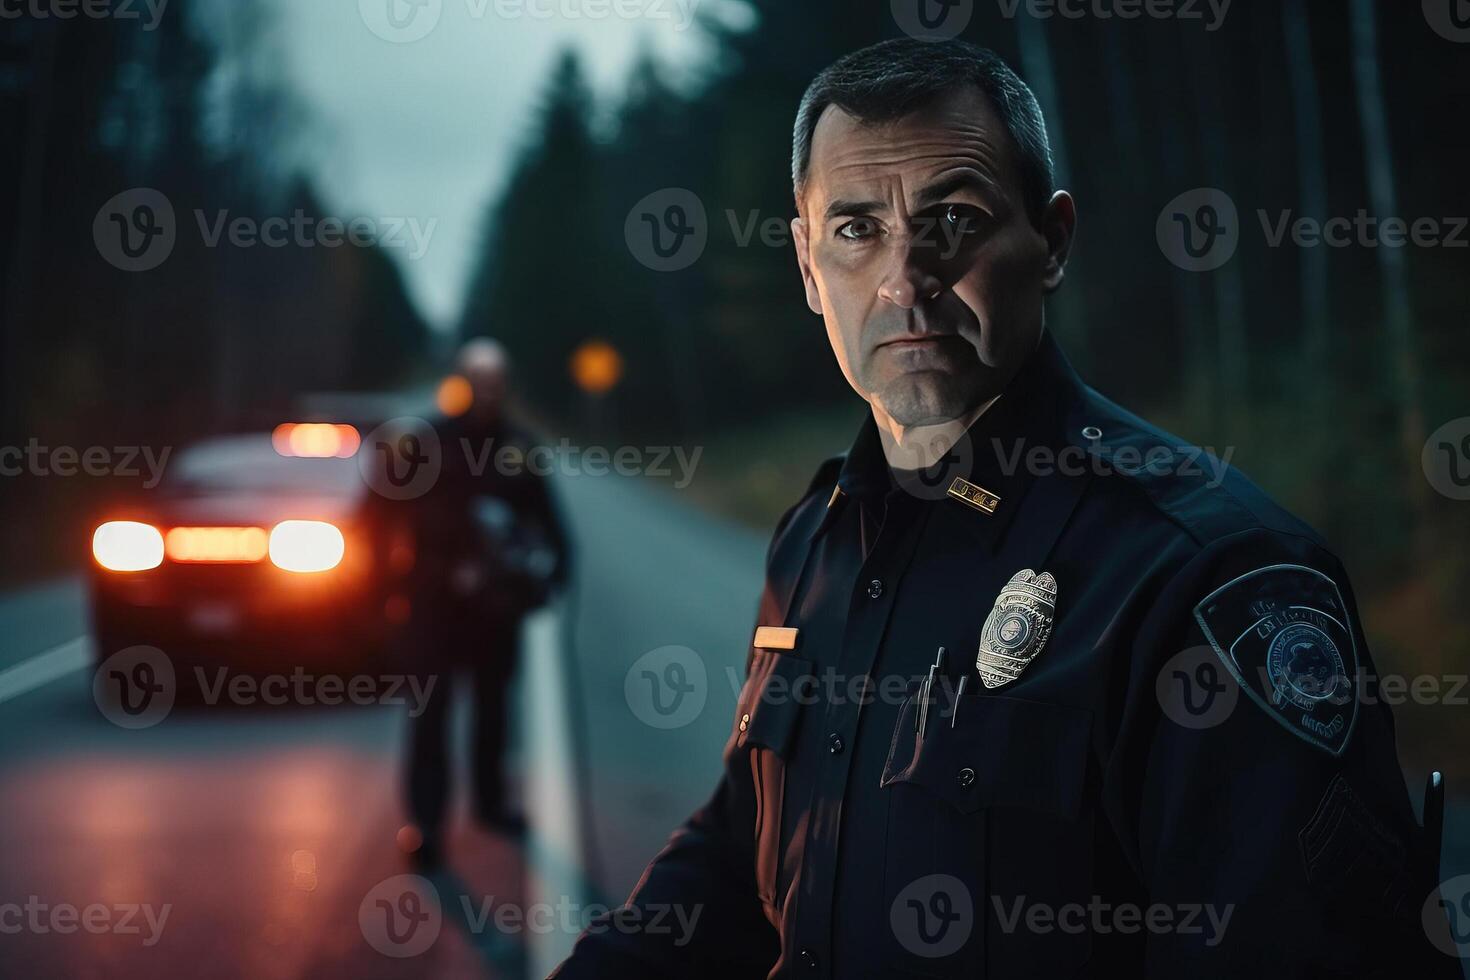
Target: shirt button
x,y
744,722
834,744
967,776
808,959
875,588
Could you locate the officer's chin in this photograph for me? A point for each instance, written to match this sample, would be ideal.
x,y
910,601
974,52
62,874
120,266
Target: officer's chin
x,y
926,398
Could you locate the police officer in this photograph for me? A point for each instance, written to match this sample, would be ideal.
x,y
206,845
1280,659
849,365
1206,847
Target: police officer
x,y
490,548
1143,749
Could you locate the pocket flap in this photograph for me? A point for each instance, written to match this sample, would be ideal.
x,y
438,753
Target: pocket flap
x,y
771,701
1001,752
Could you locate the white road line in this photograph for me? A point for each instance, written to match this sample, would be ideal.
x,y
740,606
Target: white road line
x,y
556,863
45,667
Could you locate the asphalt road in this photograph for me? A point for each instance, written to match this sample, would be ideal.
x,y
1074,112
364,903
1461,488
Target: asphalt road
x,y
260,842
257,842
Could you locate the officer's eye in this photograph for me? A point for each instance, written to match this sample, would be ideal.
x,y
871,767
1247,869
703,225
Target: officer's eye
x,y
858,229
962,219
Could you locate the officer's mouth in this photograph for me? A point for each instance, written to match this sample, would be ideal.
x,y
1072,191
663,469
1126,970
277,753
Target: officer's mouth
x,y
922,346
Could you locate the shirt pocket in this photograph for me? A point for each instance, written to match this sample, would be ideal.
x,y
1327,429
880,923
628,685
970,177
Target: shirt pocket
x,y
766,718
987,818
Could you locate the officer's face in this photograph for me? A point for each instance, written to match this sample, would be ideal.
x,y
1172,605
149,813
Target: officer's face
x,y
915,247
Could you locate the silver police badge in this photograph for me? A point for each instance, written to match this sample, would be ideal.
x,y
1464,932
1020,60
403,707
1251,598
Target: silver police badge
x,y
1017,627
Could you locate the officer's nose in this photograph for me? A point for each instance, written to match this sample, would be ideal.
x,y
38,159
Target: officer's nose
x,y
909,282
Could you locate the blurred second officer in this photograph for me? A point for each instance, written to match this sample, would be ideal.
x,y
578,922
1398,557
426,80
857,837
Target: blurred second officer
x,y
490,549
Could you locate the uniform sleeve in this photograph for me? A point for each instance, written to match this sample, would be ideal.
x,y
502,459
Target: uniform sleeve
x,y
1252,781
705,871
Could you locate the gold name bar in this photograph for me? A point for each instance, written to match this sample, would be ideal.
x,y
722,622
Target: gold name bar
x,y
776,637
977,497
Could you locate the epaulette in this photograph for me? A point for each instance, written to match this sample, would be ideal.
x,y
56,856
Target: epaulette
x,y
1190,485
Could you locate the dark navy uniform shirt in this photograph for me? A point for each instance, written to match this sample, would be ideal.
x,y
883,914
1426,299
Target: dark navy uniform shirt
x,y
1183,781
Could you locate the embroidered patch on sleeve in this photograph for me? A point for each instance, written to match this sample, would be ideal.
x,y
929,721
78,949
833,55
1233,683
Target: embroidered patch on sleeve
x,y
1283,631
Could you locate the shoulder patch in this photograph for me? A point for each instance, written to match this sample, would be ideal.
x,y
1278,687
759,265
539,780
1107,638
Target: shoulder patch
x,y
1283,631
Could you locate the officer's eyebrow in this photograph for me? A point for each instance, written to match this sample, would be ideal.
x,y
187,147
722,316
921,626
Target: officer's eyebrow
x,y
964,181
841,208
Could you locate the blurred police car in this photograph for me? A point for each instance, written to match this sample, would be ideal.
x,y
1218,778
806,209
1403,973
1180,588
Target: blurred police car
x,y
267,549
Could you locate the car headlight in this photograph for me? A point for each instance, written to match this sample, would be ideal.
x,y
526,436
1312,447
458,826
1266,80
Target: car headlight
x,y
306,546
127,546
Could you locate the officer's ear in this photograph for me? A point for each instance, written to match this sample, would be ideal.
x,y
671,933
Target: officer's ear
x,y
804,263
1058,225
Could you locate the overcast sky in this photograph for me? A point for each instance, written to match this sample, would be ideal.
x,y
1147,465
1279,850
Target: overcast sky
x,y
426,129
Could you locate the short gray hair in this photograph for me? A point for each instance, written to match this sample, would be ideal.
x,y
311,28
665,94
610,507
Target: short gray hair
x,y
891,79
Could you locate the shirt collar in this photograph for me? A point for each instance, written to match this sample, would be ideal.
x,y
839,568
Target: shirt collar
x,y
995,455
